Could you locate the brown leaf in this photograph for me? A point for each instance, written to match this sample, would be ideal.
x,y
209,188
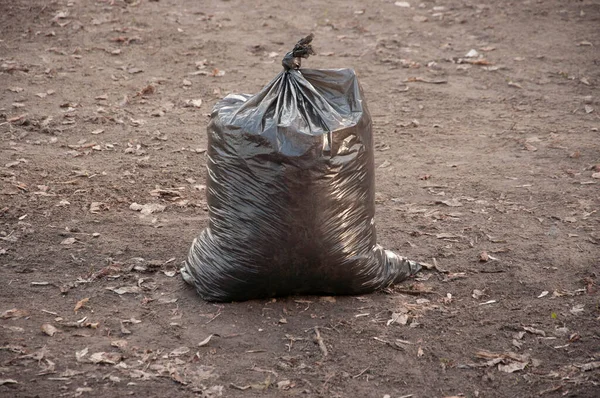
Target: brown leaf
x,y
14,314
589,366
49,329
487,354
451,202
125,290
513,84
530,147
241,388
512,367
327,299
109,358
284,384
8,381
79,355
399,318
120,344
483,256
80,304
147,208
176,377
149,89
205,341
180,351
97,207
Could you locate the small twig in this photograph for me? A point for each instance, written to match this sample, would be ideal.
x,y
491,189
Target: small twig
x,y
326,381
361,373
552,389
214,317
320,341
257,369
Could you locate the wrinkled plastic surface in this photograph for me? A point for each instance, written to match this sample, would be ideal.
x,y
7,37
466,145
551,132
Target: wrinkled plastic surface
x,y
290,191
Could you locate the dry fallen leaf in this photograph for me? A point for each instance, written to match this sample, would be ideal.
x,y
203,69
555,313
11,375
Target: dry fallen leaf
x,y
80,304
179,352
8,381
589,366
451,202
399,318
196,103
513,84
512,367
577,309
149,89
517,343
79,355
175,376
472,54
327,299
534,331
385,164
147,208
110,358
68,241
125,290
530,147
14,314
49,329
120,344
15,329
420,352
205,341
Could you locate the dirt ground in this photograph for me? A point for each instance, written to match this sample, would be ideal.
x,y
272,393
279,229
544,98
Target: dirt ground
x,y
486,118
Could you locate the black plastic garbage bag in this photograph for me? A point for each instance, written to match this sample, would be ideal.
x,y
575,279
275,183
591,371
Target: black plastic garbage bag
x,y
290,192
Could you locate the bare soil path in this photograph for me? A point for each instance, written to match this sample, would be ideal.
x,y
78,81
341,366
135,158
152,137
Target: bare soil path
x,y
486,117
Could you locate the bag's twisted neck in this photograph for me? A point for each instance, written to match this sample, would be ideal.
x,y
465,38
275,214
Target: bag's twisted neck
x,y
302,49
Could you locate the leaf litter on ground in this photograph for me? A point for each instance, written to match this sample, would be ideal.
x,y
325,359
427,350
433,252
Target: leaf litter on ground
x,y
14,313
49,330
80,304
